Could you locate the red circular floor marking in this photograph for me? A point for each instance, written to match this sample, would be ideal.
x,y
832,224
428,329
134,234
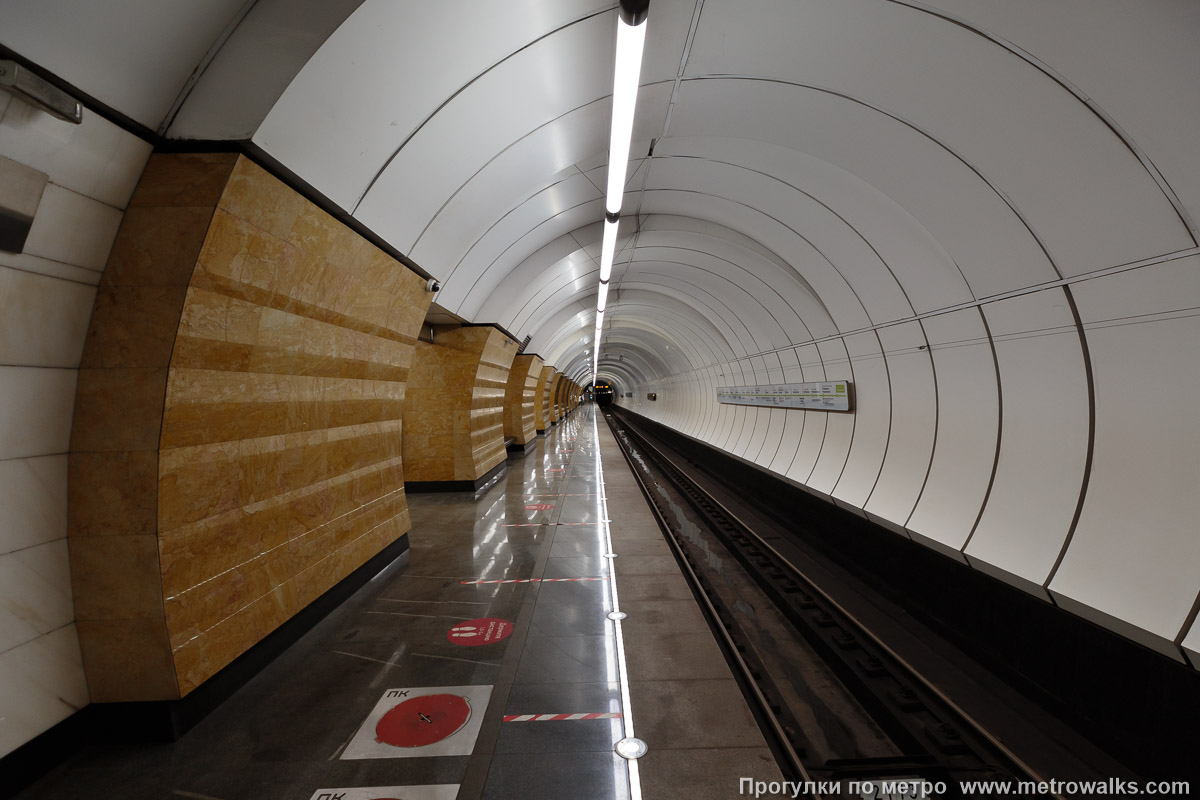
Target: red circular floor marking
x,y
423,720
476,632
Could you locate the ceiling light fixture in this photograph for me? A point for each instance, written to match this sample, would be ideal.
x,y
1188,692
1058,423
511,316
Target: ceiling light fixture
x,y
631,37
608,247
631,41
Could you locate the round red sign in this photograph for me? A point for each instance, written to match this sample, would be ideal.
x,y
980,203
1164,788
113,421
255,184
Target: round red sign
x,y
423,720
476,632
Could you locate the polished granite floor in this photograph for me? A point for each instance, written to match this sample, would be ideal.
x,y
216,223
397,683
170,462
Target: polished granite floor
x,y
370,704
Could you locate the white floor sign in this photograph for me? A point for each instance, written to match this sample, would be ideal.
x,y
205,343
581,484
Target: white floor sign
x,y
421,722
447,791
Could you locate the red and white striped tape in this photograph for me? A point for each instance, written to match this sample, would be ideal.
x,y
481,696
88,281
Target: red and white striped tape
x,y
537,580
558,717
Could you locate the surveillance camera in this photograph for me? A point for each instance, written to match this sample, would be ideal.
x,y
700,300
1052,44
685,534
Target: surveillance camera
x,y
433,285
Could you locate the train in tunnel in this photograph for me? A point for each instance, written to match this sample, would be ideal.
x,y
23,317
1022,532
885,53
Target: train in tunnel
x,y
901,295
605,394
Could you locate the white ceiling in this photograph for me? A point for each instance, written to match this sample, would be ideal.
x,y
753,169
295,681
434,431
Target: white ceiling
x,y
856,162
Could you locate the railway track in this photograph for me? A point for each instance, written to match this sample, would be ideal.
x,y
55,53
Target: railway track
x,y
837,705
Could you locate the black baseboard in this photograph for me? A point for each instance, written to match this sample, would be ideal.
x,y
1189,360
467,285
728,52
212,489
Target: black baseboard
x,y
166,721
541,432
1127,699
515,449
430,487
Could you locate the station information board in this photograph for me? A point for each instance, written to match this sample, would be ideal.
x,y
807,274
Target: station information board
x,y
825,396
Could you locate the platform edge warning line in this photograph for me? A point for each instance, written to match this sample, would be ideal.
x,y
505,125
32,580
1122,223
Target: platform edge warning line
x,y
560,717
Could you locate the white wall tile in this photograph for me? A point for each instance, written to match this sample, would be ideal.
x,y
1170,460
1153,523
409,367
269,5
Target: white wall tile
x,y
94,158
72,228
35,593
872,420
1043,445
54,269
43,684
36,406
967,428
43,321
910,441
33,501
46,299
1135,549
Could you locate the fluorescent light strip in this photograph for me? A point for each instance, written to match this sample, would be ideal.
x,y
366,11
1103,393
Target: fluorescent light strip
x,y
630,41
608,248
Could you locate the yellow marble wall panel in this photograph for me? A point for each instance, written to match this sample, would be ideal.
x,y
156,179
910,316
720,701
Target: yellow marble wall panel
x,y
556,392
127,660
157,246
116,577
454,406
289,350
551,390
487,404
519,415
187,179
267,458
133,326
121,507
115,409
113,466
541,410
531,397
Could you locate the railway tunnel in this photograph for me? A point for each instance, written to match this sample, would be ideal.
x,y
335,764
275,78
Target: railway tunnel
x,y
593,399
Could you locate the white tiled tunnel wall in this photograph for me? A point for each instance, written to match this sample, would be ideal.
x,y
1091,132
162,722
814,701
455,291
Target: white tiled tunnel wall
x,y
971,436
46,296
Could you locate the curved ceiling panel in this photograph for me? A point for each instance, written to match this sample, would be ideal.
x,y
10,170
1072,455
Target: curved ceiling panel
x,y
972,221
830,286
343,117
134,55
752,332
1133,69
692,339
1090,199
855,260
737,285
928,274
557,75
254,66
483,217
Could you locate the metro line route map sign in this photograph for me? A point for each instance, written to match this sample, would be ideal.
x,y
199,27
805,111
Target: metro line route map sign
x,y
824,396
